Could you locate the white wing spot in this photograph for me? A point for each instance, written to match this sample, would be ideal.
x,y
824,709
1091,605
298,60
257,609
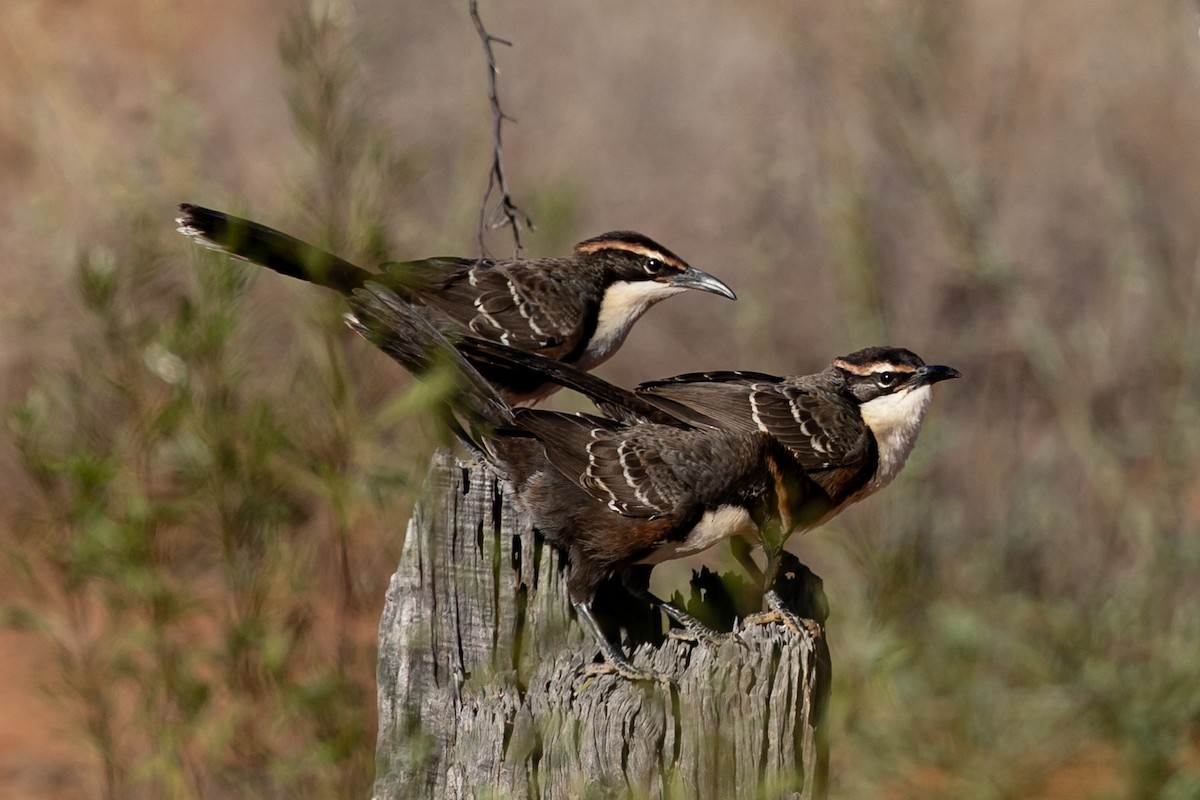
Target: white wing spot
x,y
491,320
613,503
754,390
523,308
796,414
623,451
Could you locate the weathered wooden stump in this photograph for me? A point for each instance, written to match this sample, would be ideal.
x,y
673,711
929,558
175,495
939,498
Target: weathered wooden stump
x,y
485,691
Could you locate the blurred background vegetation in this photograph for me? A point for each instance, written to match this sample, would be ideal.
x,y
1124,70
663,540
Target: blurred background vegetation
x,y
207,478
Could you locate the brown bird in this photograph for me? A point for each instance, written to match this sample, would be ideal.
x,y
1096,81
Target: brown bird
x,y
846,430
682,464
577,309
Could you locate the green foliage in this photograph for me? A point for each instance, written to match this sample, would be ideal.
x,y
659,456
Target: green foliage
x,y
179,553
210,539
1018,616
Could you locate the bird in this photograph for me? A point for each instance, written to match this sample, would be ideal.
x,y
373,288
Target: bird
x,y
662,474
847,429
577,308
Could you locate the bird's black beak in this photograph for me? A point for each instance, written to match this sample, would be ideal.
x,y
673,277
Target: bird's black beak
x,y
692,278
932,373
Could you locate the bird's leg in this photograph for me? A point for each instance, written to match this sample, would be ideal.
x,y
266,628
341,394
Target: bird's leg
x,y
778,611
776,614
741,548
636,581
614,659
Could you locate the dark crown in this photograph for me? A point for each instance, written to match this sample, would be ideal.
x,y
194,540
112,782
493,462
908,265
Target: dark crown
x,y
873,359
633,243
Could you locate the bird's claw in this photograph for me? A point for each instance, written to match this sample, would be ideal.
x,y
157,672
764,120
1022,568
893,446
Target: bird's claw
x,y
703,635
695,637
626,671
779,614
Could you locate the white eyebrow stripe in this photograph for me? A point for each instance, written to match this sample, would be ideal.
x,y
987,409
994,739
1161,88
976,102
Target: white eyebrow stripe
x,y
872,368
630,247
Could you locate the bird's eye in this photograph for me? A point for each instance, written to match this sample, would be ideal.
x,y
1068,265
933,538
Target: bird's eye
x,y
653,266
886,380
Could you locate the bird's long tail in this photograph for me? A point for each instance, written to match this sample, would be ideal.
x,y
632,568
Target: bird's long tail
x,y
380,316
517,365
269,248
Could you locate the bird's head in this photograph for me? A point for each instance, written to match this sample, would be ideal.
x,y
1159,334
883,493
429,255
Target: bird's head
x,y
636,259
892,388
875,373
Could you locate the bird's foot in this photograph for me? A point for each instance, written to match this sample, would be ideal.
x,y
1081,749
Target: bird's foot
x,y
627,671
614,660
690,629
779,614
696,636
702,634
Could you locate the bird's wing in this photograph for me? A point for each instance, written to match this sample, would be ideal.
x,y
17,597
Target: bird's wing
x,y
717,376
515,303
716,399
630,468
424,276
518,366
706,399
825,433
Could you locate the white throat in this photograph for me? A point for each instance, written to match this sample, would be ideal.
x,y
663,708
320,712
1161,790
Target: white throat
x,y
623,303
895,420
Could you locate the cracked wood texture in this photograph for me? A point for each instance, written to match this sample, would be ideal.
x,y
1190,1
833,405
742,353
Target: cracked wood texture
x,y
485,689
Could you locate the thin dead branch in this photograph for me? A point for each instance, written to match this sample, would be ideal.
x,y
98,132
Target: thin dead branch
x,y
504,211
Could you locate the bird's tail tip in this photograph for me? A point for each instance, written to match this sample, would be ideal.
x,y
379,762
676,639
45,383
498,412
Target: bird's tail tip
x,y
198,223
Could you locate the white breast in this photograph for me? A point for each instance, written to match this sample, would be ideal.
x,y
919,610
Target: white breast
x,y
623,303
895,420
714,527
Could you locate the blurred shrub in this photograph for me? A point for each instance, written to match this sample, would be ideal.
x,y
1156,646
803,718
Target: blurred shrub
x,y
209,541
206,544
1019,615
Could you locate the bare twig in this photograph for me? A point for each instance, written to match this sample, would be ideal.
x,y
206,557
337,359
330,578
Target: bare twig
x,y
505,211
